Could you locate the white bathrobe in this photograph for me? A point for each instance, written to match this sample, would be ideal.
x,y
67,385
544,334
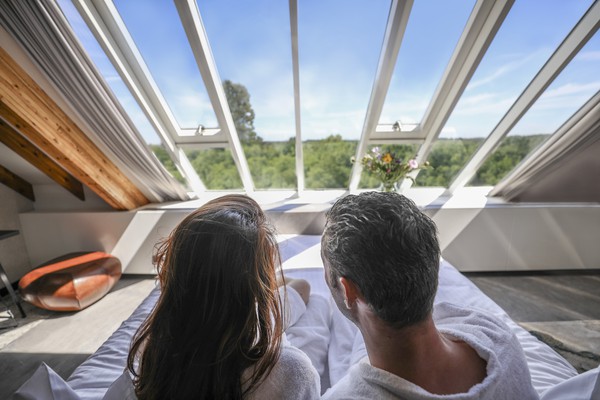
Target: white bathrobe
x,y
507,373
293,377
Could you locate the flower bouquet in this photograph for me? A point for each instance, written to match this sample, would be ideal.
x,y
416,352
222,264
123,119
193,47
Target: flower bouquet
x,y
389,168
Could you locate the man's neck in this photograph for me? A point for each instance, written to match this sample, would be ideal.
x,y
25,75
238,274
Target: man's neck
x,y
422,355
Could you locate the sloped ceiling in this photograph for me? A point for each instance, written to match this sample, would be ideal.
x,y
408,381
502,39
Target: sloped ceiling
x,y
575,179
34,120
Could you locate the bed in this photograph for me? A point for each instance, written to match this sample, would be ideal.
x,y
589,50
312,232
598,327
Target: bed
x,y
332,350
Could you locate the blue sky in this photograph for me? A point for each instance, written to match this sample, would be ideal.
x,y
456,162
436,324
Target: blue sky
x,y
339,48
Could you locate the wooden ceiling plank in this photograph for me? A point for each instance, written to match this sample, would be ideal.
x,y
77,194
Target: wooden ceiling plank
x,y
74,164
16,183
31,153
49,126
25,106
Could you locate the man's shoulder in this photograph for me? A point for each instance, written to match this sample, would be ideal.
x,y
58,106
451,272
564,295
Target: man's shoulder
x,y
470,324
367,382
496,343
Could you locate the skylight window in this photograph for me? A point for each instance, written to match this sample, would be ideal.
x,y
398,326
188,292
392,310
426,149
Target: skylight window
x,y
517,53
254,55
339,49
577,83
246,51
432,33
109,73
156,29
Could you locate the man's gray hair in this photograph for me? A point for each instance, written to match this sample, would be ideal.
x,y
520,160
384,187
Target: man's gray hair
x,y
389,248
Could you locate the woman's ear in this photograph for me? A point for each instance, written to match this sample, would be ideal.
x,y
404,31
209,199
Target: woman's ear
x,y
349,290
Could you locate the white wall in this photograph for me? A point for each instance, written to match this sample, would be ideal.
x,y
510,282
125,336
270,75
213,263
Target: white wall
x,y
521,237
13,253
492,238
130,235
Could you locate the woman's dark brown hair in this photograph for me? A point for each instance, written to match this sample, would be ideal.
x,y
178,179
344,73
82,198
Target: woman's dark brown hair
x,y
218,312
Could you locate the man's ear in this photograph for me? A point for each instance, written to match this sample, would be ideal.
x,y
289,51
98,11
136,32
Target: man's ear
x,y
349,290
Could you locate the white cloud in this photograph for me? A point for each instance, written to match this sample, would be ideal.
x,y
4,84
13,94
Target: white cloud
x,y
571,89
191,109
519,60
589,55
408,111
448,132
483,105
112,78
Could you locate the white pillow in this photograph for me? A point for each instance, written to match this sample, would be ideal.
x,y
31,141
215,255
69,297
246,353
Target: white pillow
x,y
45,384
585,386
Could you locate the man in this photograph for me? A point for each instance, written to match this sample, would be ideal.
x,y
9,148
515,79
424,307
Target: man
x,y
381,257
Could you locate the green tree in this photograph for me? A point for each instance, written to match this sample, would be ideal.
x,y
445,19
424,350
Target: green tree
x,y
242,112
511,152
160,153
327,162
216,168
271,164
447,157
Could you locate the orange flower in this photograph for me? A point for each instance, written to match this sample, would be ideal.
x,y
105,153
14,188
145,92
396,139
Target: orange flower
x,y
387,158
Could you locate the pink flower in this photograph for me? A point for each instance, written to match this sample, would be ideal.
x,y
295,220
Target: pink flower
x,y
413,164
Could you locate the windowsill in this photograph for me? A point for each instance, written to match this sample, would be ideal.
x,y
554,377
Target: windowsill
x,y
429,197
425,197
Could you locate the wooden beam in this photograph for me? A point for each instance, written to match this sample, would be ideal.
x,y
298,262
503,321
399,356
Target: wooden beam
x,y
24,105
16,183
27,150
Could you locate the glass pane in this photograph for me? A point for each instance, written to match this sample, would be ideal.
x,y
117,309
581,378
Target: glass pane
x,y
401,153
109,73
252,49
423,56
272,164
216,168
327,162
517,53
447,157
577,83
160,153
159,36
339,46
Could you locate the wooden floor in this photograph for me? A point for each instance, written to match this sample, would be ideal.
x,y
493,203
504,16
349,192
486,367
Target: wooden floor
x,y
543,297
64,340
560,307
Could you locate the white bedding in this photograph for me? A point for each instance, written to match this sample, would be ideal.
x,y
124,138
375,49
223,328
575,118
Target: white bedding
x,y
330,340
92,378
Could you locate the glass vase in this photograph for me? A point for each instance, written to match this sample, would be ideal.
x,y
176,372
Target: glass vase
x,y
389,186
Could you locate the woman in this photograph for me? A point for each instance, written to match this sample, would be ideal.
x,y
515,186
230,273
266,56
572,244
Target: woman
x,y
216,331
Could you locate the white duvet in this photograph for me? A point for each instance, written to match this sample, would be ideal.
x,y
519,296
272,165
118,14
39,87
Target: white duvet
x,y
330,341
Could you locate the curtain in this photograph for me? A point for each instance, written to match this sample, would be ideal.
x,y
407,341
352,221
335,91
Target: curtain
x,y
45,34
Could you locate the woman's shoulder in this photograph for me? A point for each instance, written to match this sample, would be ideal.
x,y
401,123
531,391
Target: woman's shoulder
x,y
295,367
293,358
